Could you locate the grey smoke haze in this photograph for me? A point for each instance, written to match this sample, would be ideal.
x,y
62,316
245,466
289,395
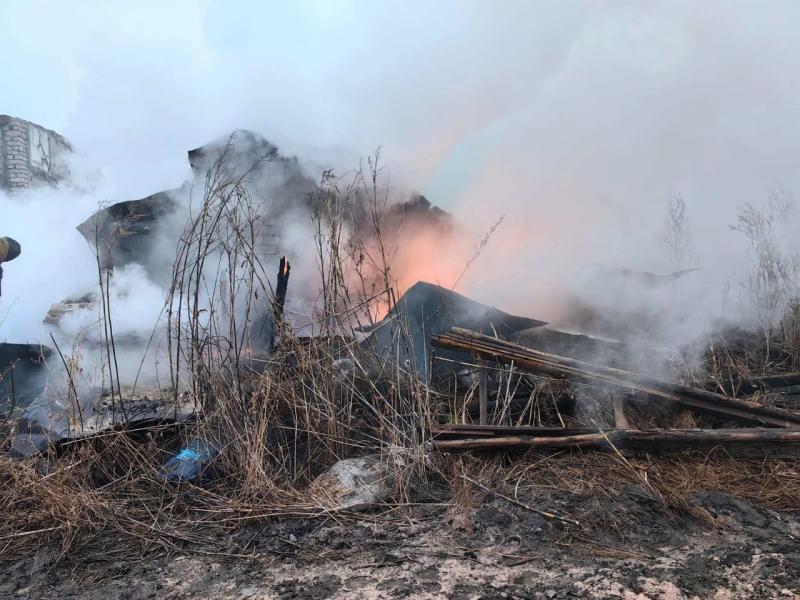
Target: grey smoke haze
x,y
577,120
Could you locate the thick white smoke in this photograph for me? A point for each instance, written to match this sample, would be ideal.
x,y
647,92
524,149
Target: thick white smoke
x,y
577,121
56,260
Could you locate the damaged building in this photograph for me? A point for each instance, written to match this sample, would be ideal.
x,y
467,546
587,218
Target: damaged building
x,y
30,154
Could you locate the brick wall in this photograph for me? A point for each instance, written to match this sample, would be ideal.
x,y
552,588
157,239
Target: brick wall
x,y
30,154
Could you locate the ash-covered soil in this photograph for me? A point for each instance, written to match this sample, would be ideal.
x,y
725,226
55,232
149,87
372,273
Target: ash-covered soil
x,y
627,546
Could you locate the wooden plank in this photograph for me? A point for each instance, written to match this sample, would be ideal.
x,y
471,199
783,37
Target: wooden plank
x,y
661,439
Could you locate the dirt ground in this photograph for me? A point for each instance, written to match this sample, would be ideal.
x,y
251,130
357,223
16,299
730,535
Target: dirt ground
x,y
725,548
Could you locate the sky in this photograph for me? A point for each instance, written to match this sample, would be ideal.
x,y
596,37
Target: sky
x,y
575,120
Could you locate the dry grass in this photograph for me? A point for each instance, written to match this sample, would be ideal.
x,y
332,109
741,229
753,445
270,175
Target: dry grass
x,y
278,419
464,500
772,482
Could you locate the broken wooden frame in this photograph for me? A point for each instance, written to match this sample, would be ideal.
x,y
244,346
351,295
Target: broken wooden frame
x,y
699,400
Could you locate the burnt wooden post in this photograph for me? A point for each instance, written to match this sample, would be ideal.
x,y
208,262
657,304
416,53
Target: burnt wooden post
x,y
283,282
284,268
483,393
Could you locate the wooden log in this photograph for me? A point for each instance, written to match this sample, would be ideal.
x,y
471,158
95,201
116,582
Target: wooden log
x,y
481,431
709,436
728,408
519,441
661,439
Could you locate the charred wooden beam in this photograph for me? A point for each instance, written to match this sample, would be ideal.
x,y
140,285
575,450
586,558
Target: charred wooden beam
x,y
749,385
656,439
521,441
704,401
442,432
284,269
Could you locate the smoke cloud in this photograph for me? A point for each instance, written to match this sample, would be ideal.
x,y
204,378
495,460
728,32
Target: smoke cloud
x,y
577,121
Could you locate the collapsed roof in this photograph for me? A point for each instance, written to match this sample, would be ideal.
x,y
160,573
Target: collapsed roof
x,y
124,232
426,310
129,231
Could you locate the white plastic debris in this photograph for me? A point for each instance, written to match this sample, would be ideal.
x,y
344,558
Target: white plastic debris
x,y
357,481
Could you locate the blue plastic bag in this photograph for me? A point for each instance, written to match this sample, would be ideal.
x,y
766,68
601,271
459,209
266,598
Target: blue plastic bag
x,y
191,462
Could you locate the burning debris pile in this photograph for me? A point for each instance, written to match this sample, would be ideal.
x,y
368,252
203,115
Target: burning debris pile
x,y
274,389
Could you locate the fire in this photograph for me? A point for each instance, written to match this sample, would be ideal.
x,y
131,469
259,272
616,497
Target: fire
x,y
424,252
429,255
284,267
